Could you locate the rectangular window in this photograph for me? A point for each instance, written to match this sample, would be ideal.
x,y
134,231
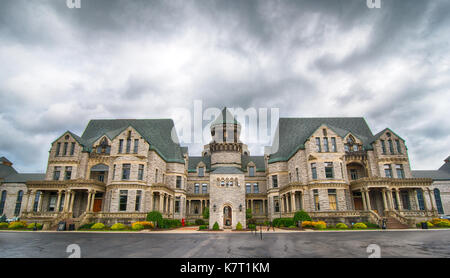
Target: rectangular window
x,y
276,204
156,175
36,201
138,200
178,181
391,146
353,174
255,188
68,173
18,203
274,181
58,148
204,188
355,148
201,172
297,174
177,205
400,171
126,171
387,171
248,188
347,149
333,144
114,172
318,147
136,145
120,145
65,148
314,171
329,170
196,188
141,172
332,199
399,148
128,145
383,146
316,199
56,173
325,144
72,148
123,199
420,199
251,171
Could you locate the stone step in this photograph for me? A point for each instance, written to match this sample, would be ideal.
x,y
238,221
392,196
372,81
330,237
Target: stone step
x,y
393,223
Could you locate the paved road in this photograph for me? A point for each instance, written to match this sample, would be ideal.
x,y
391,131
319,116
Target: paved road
x,y
230,245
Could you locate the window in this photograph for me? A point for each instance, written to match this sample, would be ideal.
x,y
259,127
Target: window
x,y
297,174
178,181
58,148
120,145
68,173
136,145
177,205
65,148
437,197
314,171
156,175
114,172
275,181
2,201
391,146
251,171
128,145
123,199
420,199
56,173
141,172
230,183
126,171
387,171
329,170
355,148
346,147
61,202
255,188
36,201
204,188
52,201
201,172
353,174
196,188
222,183
333,144
138,200
325,144
324,132
400,171
316,199
276,204
332,199
399,147
248,188
318,147
383,147
72,148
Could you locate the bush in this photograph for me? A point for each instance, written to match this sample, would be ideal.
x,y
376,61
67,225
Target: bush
x,y
3,218
283,222
118,227
137,227
319,225
341,226
17,225
86,226
170,223
145,224
98,226
301,216
251,226
307,224
216,226
155,217
203,227
239,226
292,227
199,222
206,213
248,213
38,225
371,225
444,224
4,225
359,226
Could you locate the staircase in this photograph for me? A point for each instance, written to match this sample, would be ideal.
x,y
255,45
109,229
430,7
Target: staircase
x,y
393,223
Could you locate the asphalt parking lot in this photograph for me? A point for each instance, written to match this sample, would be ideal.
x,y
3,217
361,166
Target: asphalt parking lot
x,y
413,243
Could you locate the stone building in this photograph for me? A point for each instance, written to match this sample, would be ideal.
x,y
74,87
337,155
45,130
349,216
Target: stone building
x,y
333,168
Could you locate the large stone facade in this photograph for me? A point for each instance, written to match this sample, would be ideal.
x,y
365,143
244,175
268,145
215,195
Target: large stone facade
x,y
118,170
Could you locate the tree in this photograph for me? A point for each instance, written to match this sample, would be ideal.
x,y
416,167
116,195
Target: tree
x,y
155,217
301,216
206,213
248,213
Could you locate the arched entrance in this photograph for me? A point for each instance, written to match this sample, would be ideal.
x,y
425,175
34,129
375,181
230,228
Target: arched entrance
x,y
227,216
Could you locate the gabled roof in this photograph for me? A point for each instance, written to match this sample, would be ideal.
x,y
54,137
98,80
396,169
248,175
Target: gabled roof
x,y
376,136
433,174
6,170
157,132
195,160
225,117
227,170
293,133
4,159
446,166
258,160
24,177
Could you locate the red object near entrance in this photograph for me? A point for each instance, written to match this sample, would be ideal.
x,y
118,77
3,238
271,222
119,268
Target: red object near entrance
x,y
182,222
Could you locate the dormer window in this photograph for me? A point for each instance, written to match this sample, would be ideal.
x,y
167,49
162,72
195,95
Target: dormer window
x,y
201,171
383,147
251,171
391,146
324,131
65,148
58,148
318,147
103,147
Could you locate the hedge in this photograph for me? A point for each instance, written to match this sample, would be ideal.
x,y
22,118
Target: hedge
x,y
137,227
283,222
203,227
170,223
17,225
199,222
4,225
32,225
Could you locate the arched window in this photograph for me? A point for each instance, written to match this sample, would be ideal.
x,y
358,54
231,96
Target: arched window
x,y
18,203
2,201
437,197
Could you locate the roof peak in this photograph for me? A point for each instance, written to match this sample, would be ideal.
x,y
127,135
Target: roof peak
x,y
225,117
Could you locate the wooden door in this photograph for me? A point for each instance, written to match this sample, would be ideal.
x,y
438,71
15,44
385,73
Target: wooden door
x,y
97,205
358,203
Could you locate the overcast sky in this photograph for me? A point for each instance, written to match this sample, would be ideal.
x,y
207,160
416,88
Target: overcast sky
x,y
61,67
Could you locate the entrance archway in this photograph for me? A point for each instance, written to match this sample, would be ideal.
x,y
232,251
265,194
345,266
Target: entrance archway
x,y
227,216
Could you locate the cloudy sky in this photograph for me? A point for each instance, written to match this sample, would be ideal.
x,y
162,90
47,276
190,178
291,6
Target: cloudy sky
x,y
61,67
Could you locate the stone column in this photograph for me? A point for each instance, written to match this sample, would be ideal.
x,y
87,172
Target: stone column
x,y
293,204
72,201
417,200
425,205
91,207
88,205
58,201
201,206
264,206
383,194
390,200
399,201
29,193
432,201
161,203
369,207
40,203
363,197
66,200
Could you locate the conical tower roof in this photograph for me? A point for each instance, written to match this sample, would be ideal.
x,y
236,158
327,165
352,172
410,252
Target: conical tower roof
x,y
225,117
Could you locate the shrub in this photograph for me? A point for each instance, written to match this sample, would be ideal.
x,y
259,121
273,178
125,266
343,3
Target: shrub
x,y
32,225
216,226
98,226
319,225
86,226
444,224
292,227
341,226
248,213
206,213
203,227
3,218
137,227
4,225
155,217
251,226
145,224
251,221
170,223
301,216
371,225
307,224
283,222
17,225
118,227
199,222
239,226
359,226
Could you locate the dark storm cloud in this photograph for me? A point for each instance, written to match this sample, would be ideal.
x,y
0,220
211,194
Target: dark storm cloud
x,y
143,59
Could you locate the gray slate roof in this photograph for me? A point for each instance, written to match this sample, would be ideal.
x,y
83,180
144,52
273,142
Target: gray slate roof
x,y
195,160
293,133
23,178
433,174
258,160
227,170
158,132
446,166
6,171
